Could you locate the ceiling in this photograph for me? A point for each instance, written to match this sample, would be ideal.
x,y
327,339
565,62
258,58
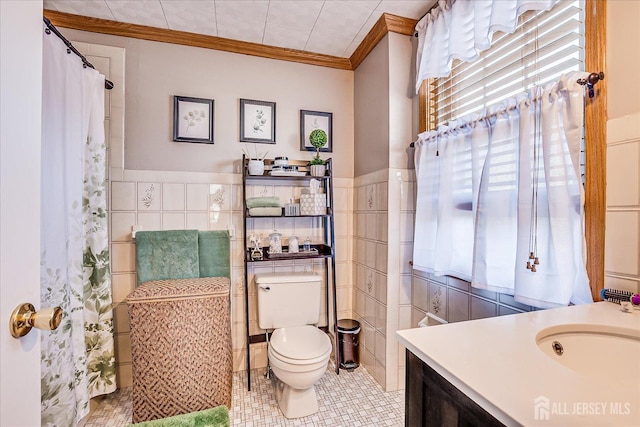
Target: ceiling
x,y
331,27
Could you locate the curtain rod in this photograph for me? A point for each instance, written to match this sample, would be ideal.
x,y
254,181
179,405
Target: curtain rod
x,y
108,84
591,79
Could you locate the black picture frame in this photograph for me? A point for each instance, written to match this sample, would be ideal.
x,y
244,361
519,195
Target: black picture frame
x,y
257,121
193,115
310,120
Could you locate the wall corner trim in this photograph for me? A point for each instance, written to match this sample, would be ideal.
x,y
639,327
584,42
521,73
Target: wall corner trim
x,y
387,23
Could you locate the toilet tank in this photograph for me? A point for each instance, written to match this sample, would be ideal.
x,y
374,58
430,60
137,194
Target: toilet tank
x,y
288,299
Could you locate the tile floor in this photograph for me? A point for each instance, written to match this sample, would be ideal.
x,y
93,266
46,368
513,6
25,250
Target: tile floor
x,y
351,399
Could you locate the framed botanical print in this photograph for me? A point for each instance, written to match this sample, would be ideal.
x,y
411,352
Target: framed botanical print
x,y
257,121
192,119
312,120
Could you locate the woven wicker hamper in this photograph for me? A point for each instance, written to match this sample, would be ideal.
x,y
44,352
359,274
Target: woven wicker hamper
x,y
180,346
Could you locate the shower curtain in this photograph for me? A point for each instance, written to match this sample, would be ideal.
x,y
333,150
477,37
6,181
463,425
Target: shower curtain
x,y
77,360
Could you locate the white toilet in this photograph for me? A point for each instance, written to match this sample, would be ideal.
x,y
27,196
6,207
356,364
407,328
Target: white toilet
x,y
298,351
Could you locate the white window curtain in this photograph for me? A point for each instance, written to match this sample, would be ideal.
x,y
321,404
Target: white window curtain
x,y
77,360
461,29
475,193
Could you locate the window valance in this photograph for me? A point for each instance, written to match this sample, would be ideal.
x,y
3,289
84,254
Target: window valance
x,y
461,29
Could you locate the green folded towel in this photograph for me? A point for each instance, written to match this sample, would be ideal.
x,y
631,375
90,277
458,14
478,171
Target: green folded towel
x,y
171,254
263,202
213,247
214,417
265,212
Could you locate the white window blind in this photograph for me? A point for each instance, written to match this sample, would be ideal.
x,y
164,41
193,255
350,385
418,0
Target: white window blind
x,y
545,45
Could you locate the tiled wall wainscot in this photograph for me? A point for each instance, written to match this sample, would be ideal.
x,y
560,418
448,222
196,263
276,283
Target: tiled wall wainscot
x,y
383,206
622,243
449,299
180,200
163,201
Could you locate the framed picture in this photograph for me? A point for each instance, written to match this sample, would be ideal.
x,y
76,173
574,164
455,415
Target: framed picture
x,y
192,119
312,120
257,121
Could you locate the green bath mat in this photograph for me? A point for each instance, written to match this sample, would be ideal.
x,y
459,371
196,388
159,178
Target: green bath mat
x,y
214,417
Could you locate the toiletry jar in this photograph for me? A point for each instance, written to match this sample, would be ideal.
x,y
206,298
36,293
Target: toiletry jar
x,y
281,161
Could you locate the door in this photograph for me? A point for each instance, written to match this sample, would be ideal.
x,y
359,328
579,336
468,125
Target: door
x,y
20,126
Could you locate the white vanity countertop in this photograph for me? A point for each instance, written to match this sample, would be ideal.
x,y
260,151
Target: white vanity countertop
x,y
497,363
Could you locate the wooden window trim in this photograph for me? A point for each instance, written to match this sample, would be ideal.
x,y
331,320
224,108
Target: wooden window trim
x,y
595,144
595,141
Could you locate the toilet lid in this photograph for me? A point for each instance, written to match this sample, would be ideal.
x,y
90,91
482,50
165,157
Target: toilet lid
x,y
300,342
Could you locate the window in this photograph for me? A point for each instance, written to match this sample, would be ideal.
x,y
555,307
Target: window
x,y
546,45
571,35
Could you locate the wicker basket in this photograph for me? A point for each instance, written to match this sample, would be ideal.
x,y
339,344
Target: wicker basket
x,y
180,346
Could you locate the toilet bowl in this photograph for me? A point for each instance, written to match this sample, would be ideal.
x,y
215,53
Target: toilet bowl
x,y
289,304
298,356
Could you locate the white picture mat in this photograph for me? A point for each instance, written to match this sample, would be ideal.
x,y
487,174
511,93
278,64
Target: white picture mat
x,y
257,121
312,123
199,128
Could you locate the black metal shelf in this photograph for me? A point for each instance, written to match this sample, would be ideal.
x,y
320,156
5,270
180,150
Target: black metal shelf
x,y
326,253
290,216
303,166
285,178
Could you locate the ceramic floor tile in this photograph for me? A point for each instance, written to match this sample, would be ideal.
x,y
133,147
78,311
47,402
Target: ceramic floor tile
x,y
348,399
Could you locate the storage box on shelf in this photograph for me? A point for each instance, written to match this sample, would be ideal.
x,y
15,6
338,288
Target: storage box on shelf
x,y
319,205
313,204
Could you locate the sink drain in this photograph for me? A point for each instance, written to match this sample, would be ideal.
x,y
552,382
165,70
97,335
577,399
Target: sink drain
x,y
557,348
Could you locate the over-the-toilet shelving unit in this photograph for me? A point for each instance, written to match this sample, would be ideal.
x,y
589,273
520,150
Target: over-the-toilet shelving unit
x,y
326,249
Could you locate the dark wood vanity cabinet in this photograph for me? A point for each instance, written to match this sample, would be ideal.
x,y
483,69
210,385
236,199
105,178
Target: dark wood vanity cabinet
x,y
430,400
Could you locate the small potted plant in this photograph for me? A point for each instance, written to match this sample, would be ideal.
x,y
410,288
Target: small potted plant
x,y
318,139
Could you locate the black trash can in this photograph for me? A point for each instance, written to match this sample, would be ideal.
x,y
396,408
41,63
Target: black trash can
x,y
348,337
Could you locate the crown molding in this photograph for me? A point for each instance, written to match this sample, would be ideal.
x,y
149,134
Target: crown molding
x,y
387,23
123,29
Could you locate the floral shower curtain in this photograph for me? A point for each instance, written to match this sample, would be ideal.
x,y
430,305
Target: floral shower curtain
x,y
78,358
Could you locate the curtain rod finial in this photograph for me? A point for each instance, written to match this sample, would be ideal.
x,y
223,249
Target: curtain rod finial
x,y
592,79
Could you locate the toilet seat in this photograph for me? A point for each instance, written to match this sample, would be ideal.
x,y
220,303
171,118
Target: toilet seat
x,y
300,345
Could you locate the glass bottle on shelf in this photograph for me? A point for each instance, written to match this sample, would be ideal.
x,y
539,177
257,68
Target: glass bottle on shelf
x,y
275,242
293,245
306,246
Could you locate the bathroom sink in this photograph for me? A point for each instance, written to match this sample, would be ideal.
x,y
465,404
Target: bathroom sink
x,y
594,350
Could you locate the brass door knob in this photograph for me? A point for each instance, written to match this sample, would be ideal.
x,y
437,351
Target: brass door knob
x,y
25,317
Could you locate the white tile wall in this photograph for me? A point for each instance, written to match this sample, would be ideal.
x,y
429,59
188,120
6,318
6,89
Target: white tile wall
x,y
121,223
197,221
173,197
158,200
173,221
198,197
149,196
383,289
622,239
623,174
123,196
149,220
621,243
